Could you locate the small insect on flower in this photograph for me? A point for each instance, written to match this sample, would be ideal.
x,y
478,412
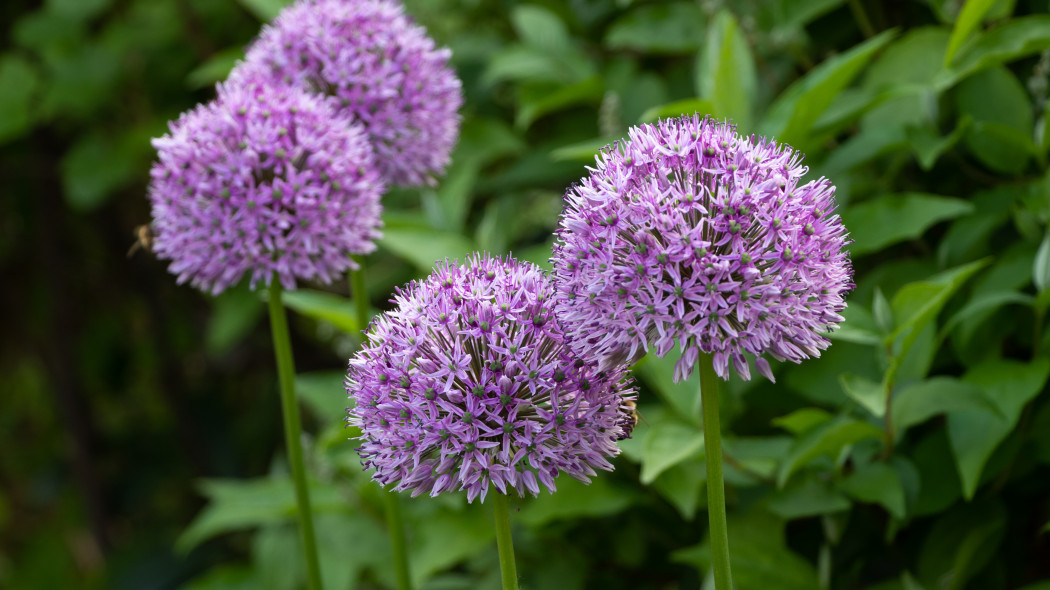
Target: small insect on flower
x,y
468,383
689,234
143,239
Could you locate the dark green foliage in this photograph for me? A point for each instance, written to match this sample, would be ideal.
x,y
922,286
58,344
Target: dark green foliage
x,y
915,454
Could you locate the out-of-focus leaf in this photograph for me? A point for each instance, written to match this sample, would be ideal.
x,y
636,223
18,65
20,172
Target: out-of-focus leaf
x,y
1001,136
940,395
423,247
782,16
544,100
929,146
658,28
18,84
859,327
324,393
235,312
215,69
759,456
1016,38
682,485
827,439
975,433
657,373
688,106
345,545
539,27
805,497
575,499
802,420
448,537
969,18
583,151
1041,265
338,311
264,10
961,543
910,62
878,483
917,304
528,63
889,219
98,165
939,479
869,394
725,72
883,313
982,302
793,114
667,444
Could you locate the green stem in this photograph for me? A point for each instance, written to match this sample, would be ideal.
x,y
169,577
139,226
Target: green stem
x,y
396,526
282,348
716,494
862,18
391,503
504,542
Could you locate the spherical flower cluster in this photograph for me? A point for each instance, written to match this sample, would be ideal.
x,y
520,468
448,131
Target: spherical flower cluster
x,y
468,383
263,181
689,232
381,69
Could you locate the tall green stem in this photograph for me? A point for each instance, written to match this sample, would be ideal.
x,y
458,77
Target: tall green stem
x,y
504,542
716,495
391,503
282,348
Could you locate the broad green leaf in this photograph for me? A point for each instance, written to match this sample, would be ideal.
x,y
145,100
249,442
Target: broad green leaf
x,y
583,151
215,69
940,395
909,63
1041,265
753,460
827,439
1011,40
859,327
970,17
539,27
346,547
805,497
667,444
982,302
681,397
725,73
97,165
234,313
782,16
917,304
18,85
889,219
688,106
929,146
540,254
960,544
974,434
882,312
802,420
447,537
862,148
423,247
324,393
1001,136
759,556
320,305
869,394
224,577
543,100
878,483
939,485
793,114
575,499
683,486
968,237
264,10
531,64
658,28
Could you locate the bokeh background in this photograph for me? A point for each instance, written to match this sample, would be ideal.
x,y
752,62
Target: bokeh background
x,y
141,429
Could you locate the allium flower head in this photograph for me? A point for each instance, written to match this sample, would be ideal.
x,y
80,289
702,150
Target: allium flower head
x,y
688,232
381,69
261,181
468,383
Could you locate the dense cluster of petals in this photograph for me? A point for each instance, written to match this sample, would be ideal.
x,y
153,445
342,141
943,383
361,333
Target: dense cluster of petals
x,y
266,181
468,383
380,68
689,234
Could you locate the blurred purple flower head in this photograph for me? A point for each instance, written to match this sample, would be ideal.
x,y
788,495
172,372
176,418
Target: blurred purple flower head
x,y
468,383
379,67
261,181
689,232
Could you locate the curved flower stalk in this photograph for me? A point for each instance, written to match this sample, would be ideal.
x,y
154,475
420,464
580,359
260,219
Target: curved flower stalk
x,y
688,233
381,69
261,182
468,384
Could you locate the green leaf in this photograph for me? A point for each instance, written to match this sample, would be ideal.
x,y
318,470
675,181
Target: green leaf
x,y
975,434
1016,38
658,28
681,397
683,486
688,106
726,71
802,420
960,544
446,537
858,327
98,165
667,444
917,304
423,247
794,112
983,302
583,151
1001,136
827,439
264,10
575,499
907,66
324,393
805,497
940,395
929,146
234,313
224,577
539,27
972,13
320,305
18,85
1041,265
877,483
215,69
889,219
528,63
543,100
870,395
883,313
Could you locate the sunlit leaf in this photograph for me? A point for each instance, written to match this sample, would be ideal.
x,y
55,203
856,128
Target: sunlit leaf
x,y
889,219
969,18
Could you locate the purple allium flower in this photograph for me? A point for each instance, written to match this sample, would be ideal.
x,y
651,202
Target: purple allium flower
x,y
689,232
261,181
468,383
381,68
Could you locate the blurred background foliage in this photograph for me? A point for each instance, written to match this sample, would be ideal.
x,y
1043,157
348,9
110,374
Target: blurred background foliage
x,y
140,418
